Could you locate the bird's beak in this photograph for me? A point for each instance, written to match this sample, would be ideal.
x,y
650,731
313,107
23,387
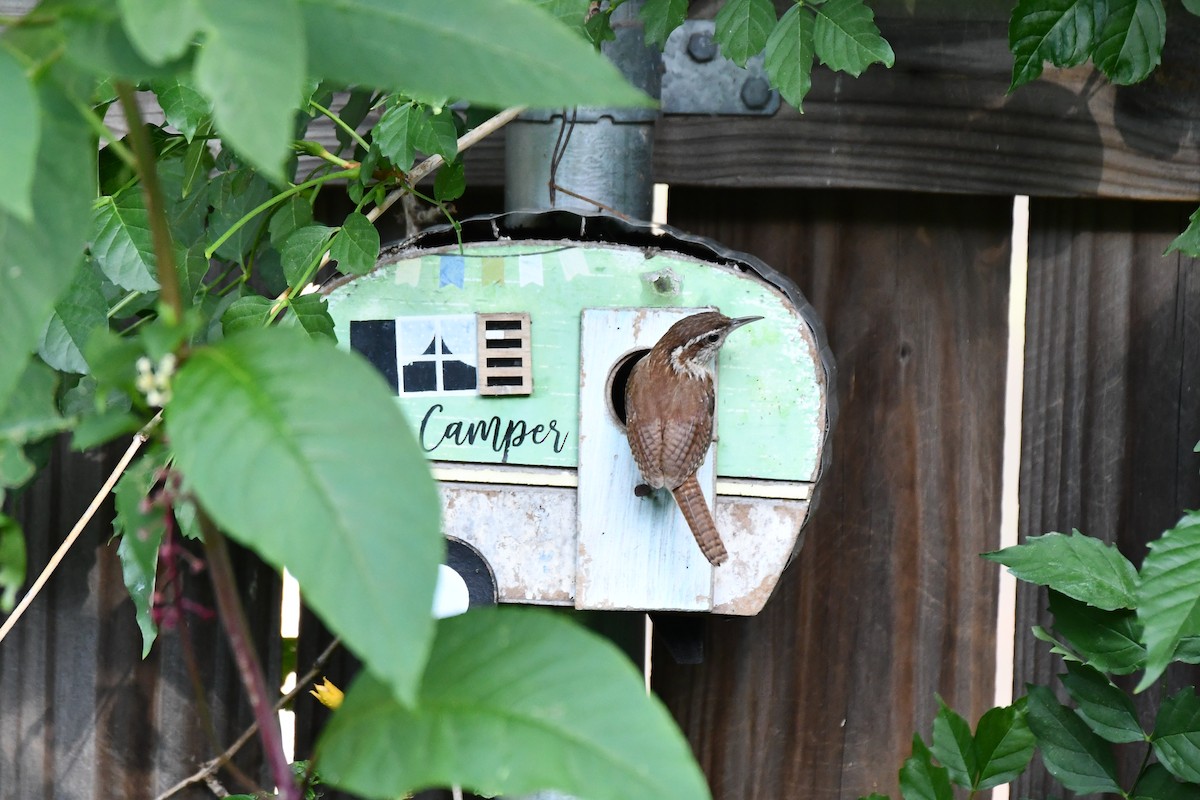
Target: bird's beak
x,y
740,321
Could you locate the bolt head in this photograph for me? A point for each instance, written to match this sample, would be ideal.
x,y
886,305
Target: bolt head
x,y
701,47
756,93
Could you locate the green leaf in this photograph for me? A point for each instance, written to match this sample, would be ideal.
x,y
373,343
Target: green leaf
x,y
1188,650
790,53
660,17
1156,783
1058,31
1004,745
233,194
15,468
875,796
451,181
572,13
246,314
142,530
318,472
81,311
1169,596
437,134
1110,641
252,68
1188,242
12,561
501,710
1078,758
184,107
1106,709
160,31
953,746
846,39
394,134
101,428
598,29
921,779
1193,6
289,216
31,412
1078,566
19,132
743,27
1057,647
487,41
41,257
311,312
302,250
1177,735
97,42
1129,45
355,248
122,244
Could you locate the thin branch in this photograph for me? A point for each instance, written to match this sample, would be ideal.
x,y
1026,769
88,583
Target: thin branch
x,y
237,629
211,767
138,440
433,163
164,253
594,202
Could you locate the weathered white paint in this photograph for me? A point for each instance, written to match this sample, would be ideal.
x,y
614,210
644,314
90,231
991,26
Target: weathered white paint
x,y
633,552
526,534
760,534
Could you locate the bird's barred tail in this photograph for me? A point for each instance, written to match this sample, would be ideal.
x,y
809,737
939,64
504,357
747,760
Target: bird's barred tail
x,y
695,510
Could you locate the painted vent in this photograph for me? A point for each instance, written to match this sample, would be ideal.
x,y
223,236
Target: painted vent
x,y
504,367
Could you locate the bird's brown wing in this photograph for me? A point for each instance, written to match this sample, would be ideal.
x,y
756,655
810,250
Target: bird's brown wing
x,y
670,433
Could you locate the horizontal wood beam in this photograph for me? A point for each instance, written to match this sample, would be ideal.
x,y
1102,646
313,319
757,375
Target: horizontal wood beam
x,y
941,120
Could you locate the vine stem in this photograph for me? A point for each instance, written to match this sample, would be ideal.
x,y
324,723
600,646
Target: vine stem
x,y
263,206
164,253
237,629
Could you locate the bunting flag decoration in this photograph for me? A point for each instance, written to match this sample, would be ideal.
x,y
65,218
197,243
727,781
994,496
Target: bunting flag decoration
x,y
408,273
574,262
493,271
451,271
530,269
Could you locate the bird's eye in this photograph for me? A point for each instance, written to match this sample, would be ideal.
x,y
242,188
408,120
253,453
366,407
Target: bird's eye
x,y
713,338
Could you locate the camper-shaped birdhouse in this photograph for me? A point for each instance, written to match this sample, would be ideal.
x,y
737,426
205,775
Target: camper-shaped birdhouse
x,y
509,351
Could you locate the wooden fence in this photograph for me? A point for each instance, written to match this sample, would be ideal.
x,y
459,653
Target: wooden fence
x,y
889,202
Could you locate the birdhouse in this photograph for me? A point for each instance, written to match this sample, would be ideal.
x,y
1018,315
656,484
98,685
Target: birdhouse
x,y
509,351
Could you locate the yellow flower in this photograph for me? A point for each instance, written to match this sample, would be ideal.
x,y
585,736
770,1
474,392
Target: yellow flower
x,y
327,693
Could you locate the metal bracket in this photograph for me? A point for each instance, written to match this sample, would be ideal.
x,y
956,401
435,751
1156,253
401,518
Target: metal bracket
x,y
697,79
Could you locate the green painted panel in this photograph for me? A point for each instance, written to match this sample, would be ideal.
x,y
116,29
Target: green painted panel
x,y
770,405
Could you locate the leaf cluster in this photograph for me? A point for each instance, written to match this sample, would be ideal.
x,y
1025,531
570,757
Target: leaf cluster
x,y
1110,620
157,280
1123,38
841,34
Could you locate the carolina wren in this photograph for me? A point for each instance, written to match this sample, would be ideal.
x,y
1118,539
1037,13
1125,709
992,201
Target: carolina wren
x,y
669,405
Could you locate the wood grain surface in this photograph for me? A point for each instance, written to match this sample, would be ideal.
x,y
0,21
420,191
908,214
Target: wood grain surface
x,y
83,715
818,697
1112,402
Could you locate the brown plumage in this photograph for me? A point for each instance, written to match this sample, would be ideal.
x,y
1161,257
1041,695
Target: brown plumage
x,y
669,404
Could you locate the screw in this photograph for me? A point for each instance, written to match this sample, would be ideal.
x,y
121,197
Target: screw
x,y
701,47
756,93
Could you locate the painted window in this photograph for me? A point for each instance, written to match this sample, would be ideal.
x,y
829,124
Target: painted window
x,y
436,354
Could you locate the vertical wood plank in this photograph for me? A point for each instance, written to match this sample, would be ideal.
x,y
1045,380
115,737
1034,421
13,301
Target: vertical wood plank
x,y
82,715
634,552
888,602
1112,404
